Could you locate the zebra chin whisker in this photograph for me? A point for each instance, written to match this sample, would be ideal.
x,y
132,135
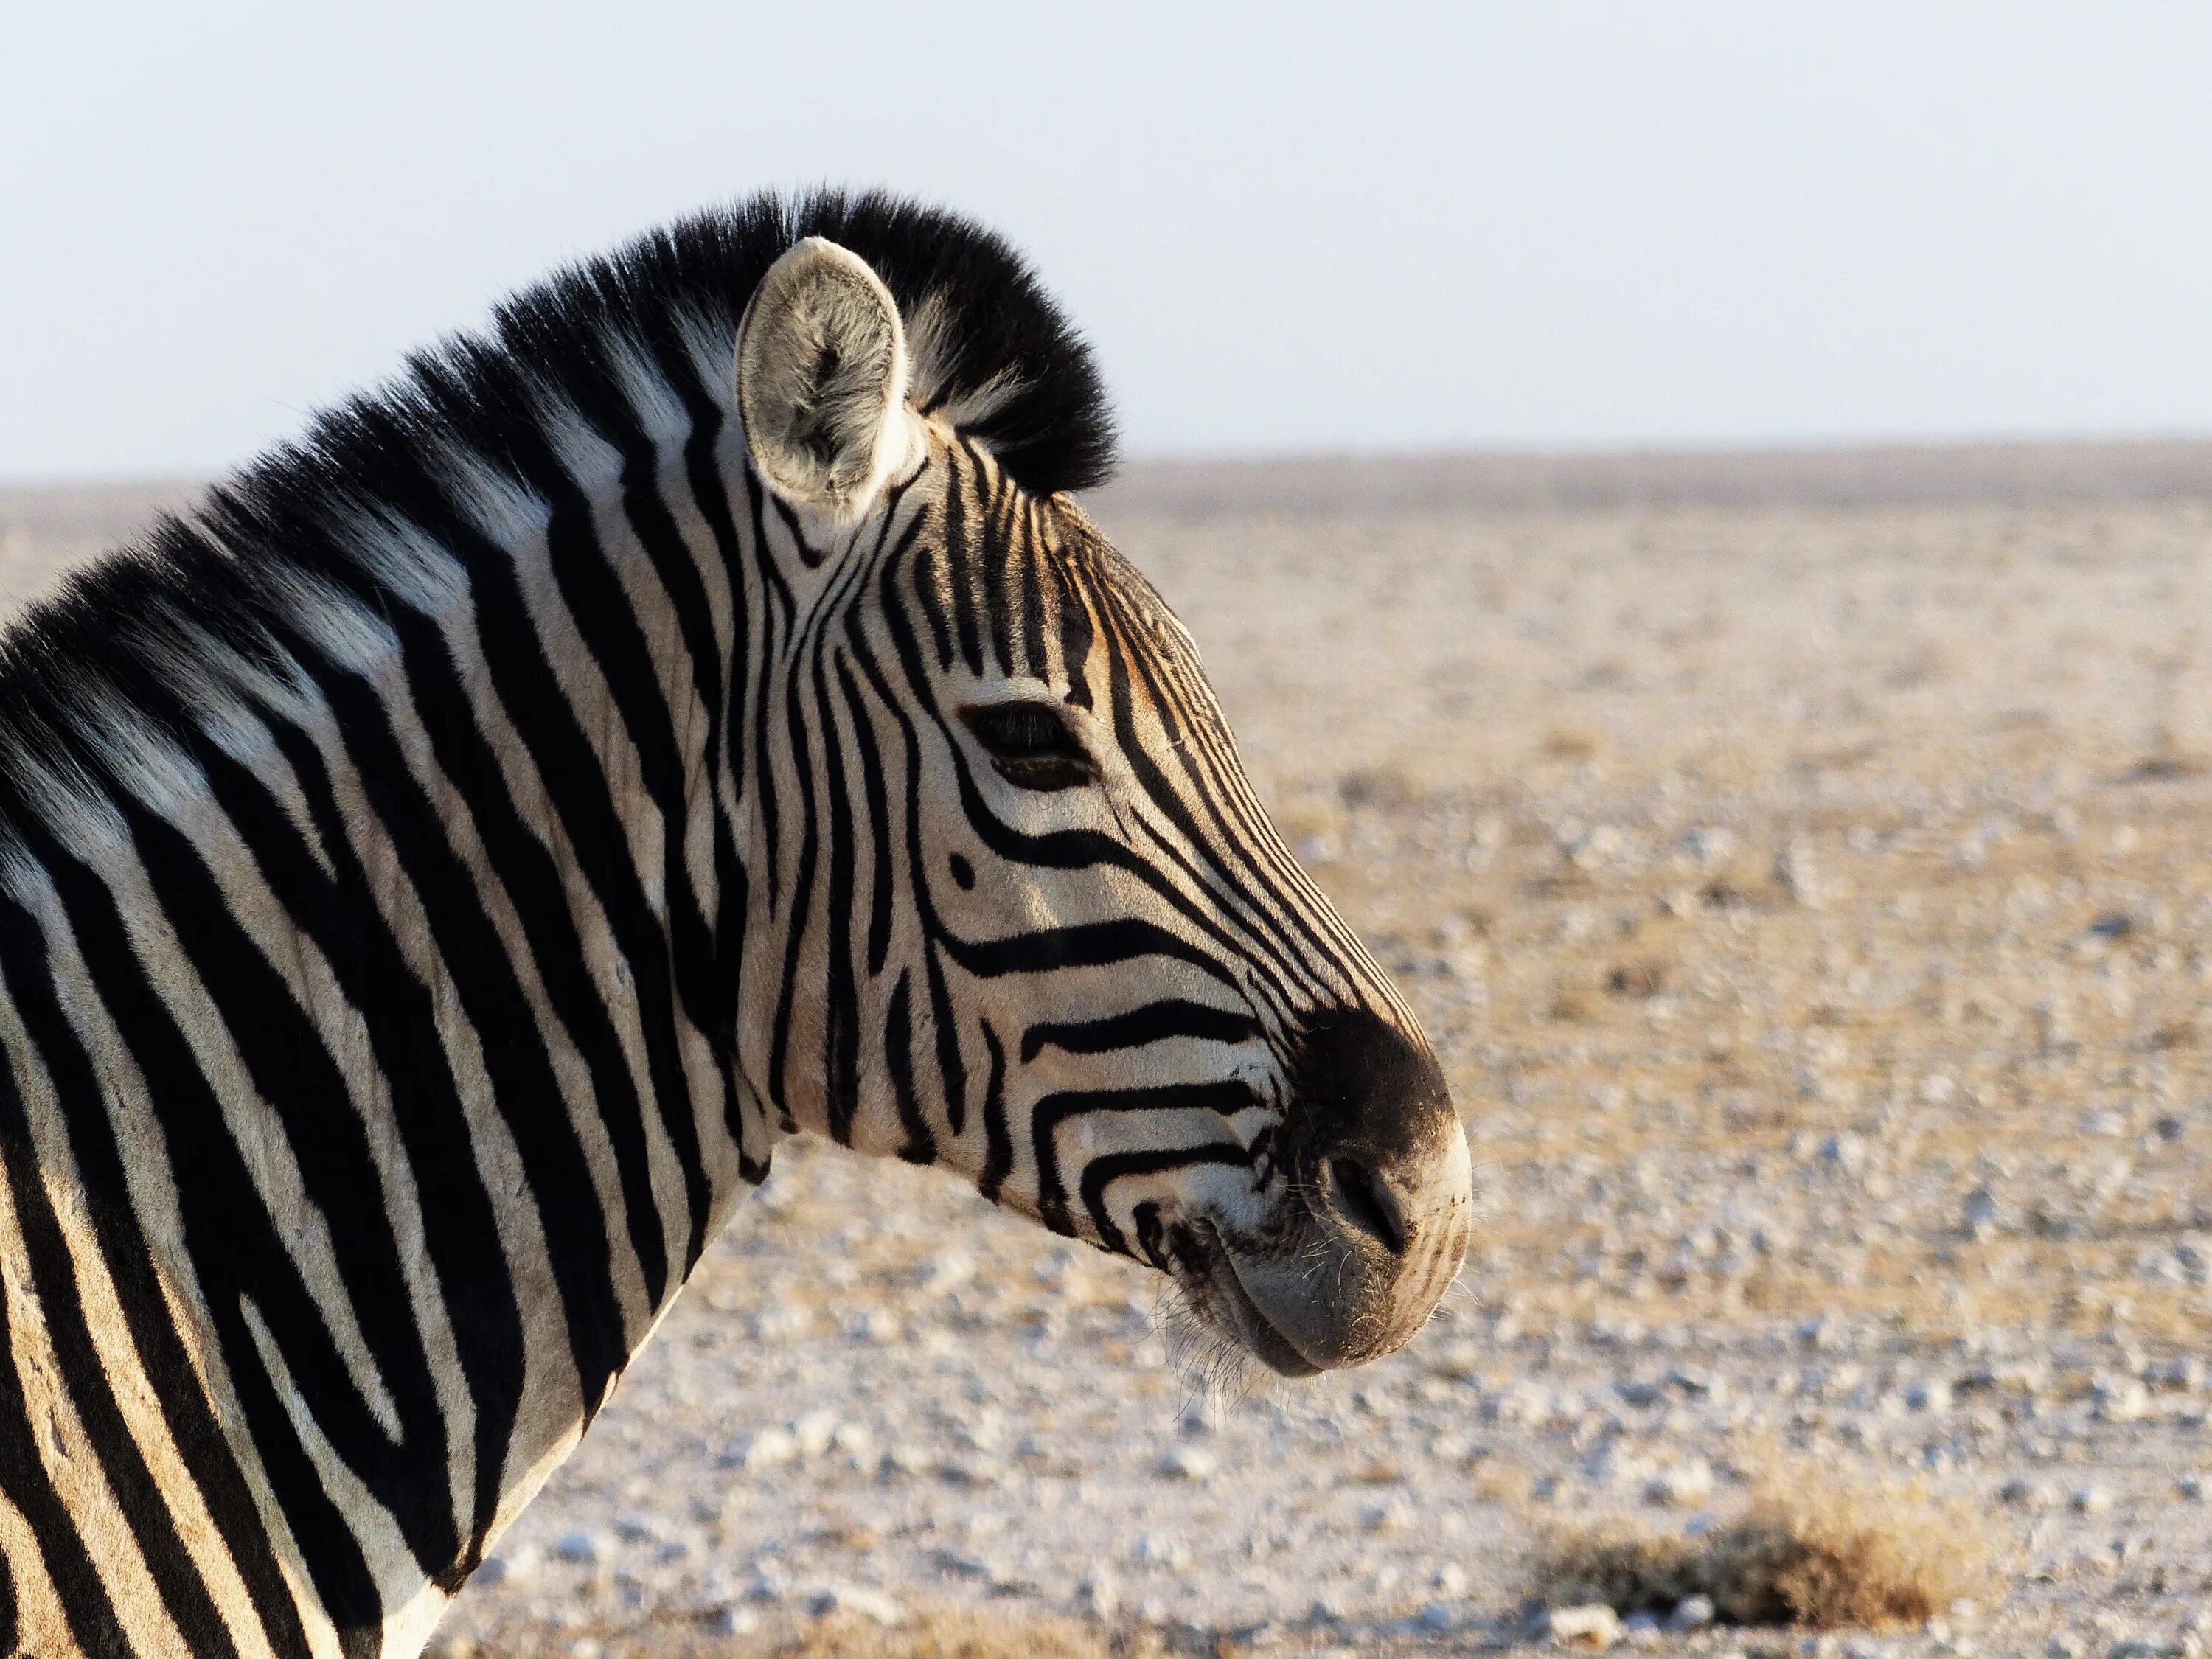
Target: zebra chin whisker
x,y
1217,1371
1458,1294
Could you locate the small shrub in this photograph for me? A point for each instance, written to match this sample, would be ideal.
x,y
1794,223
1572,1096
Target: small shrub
x,y
1810,1552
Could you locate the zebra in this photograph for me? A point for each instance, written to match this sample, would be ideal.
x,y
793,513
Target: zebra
x,y
438,868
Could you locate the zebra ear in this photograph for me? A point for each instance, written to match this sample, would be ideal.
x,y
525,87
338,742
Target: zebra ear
x,y
822,381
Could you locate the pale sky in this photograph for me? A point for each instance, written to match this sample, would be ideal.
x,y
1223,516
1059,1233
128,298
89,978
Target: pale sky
x,y
1534,223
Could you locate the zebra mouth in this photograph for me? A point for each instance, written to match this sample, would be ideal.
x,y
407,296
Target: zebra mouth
x,y
1209,1278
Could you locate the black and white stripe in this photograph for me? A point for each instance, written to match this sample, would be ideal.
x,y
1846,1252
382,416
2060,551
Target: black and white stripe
x,y
435,873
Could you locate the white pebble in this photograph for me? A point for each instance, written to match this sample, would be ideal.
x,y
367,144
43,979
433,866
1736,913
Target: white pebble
x,y
2122,1400
1933,1396
763,1449
1593,1626
813,1432
1684,1485
1692,1613
1187,1463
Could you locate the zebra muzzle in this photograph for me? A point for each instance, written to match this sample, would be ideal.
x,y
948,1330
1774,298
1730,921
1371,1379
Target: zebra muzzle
x,y
1373,1225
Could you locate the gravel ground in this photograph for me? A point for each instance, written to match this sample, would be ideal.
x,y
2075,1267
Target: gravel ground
x,y
1810,905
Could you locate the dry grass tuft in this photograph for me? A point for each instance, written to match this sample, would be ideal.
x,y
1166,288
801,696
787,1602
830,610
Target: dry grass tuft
x,y
1807,1553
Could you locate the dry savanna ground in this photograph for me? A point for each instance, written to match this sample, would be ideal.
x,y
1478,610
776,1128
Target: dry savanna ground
x,y
1804,866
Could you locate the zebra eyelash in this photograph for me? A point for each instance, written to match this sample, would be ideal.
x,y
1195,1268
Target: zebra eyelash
x,y
1030,745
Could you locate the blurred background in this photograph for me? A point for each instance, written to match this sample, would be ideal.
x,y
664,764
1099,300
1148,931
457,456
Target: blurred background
x,y
1699,516
1286,228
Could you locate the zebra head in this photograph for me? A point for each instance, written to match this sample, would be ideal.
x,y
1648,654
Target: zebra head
x,y
1015,907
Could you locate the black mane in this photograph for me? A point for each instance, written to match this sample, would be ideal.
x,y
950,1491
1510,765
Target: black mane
x,y
122,634
1050,431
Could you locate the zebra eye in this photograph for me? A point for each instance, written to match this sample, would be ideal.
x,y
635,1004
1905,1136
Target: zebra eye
x,y
1031,746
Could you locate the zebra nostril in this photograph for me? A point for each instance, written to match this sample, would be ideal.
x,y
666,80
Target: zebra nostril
x,y
1371,1119
1364,1202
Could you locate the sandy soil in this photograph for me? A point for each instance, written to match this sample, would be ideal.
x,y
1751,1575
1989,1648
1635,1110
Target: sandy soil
x,y
1799,864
